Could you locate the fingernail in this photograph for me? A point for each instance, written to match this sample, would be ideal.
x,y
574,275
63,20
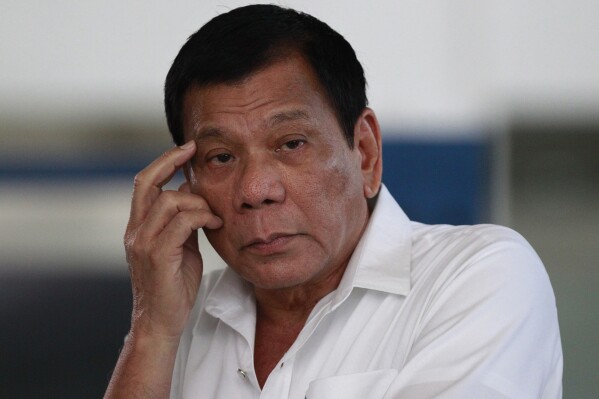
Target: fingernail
x,y
187,145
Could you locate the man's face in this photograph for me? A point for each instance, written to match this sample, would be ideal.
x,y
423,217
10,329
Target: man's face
x,y
273,164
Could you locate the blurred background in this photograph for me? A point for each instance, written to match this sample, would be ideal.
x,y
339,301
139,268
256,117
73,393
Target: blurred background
x,y
490,113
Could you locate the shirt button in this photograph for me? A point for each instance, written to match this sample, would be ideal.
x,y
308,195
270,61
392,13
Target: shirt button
x,y
242,373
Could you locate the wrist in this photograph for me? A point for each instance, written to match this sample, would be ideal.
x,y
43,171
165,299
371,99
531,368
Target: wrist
x,y
145,328
145,365
142,337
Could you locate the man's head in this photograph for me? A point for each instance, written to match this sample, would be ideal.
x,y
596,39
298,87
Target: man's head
x,y
272,158
237,44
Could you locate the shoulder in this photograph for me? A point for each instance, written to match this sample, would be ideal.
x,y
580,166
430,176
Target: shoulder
x,y
456,249
482,272
485,267
483,302
465,237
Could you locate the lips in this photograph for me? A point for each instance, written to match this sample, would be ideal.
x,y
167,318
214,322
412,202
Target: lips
x,y
274,243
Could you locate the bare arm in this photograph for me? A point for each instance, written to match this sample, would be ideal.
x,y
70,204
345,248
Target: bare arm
x,y
166,270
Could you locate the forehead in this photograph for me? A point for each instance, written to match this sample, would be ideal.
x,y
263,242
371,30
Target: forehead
x,y
285,88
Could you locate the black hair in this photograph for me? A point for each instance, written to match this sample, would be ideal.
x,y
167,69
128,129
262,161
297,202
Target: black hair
x,y
234,45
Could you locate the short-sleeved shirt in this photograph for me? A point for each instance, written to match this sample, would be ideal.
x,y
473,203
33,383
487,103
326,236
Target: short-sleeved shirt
x,y
422,311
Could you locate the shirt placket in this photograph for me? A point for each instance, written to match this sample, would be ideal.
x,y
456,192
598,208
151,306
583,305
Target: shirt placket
x,y
279,381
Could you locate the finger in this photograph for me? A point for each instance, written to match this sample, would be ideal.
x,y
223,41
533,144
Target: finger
x,y
181,227
185,188
148,183
166,207
192,241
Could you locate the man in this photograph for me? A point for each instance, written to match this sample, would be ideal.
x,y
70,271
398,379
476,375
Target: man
x,y
330,291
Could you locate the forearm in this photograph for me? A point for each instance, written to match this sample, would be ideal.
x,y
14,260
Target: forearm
x,y
144,368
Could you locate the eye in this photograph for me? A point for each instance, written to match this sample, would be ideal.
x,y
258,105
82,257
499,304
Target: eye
x,y
220,158
292,145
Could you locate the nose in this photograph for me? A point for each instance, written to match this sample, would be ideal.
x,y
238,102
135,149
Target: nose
x,y
259,185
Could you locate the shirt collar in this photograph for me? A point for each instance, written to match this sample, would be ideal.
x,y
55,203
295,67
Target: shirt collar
x,y
232,300
382,258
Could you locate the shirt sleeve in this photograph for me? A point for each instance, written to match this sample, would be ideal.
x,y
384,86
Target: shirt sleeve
x,y
490,330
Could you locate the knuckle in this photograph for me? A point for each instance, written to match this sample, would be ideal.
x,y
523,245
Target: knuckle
x,y
138,179
202,203
181,220
167,199
199,203
155,257
190,220
203,214
129,239
136,248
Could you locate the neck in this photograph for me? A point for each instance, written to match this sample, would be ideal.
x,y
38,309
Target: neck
x,y
281,315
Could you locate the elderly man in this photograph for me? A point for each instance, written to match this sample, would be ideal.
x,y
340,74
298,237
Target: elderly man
x,y
330,291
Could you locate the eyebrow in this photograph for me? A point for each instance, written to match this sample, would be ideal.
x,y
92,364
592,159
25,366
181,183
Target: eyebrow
x,y
288,116
211,132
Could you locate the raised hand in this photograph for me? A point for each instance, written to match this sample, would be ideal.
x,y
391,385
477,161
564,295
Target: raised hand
x,y
162,246
166,269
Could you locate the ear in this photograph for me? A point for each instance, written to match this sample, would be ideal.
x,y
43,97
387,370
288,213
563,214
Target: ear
x,y
367,141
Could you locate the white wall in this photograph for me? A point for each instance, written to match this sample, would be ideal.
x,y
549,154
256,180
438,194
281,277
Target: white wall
x,y
432,65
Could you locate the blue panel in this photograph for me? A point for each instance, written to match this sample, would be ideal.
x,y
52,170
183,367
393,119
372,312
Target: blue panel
x,y
439,182
73,171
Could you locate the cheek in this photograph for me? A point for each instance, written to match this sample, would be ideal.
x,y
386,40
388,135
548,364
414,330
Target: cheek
x,y
340,177
215,193
215,238
330,192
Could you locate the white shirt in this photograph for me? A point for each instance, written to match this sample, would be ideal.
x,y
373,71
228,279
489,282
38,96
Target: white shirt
x,y
422,311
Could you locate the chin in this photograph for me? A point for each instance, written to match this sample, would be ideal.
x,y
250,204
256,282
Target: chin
x,y
276,275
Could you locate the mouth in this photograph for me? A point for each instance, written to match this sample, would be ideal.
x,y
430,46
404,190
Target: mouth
x,y
272,244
